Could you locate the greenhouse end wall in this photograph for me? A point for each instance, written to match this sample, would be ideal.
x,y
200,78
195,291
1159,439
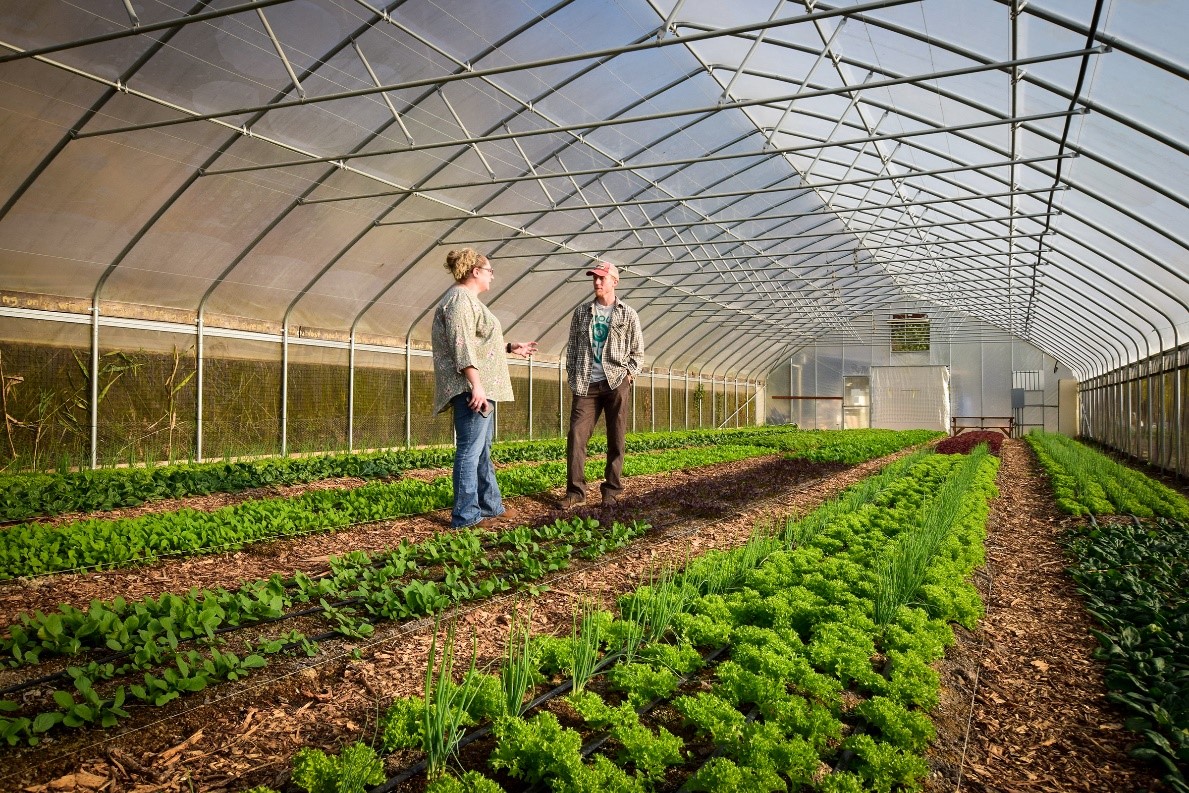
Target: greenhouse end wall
x,y
992,378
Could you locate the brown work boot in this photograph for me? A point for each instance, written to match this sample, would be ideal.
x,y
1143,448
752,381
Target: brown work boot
x,y
609,499
510,513
572,500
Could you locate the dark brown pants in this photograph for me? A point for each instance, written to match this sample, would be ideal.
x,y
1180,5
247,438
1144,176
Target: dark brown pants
x,y
584,412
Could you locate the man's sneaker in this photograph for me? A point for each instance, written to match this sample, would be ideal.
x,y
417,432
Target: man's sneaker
x,y
572,500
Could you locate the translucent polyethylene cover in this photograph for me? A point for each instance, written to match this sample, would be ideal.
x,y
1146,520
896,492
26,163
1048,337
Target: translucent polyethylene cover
x,y
764,175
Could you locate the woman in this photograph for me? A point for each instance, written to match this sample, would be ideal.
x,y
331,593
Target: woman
x,y
471,373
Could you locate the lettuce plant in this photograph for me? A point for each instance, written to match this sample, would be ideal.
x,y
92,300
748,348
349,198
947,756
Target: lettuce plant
x,y
712,715
897,724
722,774
354,770
403,724
540,750
650,752
469,782
641,682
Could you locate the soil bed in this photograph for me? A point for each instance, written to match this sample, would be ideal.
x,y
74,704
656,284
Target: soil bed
x,y
290,704
1039,721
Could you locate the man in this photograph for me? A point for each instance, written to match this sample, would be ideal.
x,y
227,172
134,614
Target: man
x,y
602,357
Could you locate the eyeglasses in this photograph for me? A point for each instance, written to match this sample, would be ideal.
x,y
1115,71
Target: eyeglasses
x,y
488,269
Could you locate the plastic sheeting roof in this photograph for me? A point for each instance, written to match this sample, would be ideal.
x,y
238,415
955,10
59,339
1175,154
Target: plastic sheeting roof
x,y
764,173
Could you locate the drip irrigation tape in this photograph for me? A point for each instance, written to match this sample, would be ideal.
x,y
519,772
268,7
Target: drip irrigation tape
x,y
63,674
421,624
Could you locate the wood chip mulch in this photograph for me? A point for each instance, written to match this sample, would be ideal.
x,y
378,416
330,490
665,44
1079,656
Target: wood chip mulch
x,y
235,737
1023,707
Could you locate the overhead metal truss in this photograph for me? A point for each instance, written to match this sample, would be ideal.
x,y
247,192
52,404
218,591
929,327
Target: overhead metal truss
x,y
788,169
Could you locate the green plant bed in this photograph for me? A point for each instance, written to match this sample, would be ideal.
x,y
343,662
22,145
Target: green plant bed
x,y
178,644
846,446
1135,578
28,495
793,622
24,496
37,549
1087,482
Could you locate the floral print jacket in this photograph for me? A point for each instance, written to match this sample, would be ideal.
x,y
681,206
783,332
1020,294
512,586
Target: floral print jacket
x,y
466,333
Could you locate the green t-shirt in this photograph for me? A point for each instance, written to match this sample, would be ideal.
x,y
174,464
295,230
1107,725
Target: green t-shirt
x,y
600,329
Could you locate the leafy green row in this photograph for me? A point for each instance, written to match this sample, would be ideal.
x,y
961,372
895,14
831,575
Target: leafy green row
x,y
1134,578
909,557
803,629
38,549
796,612
190,672
162,624
120,625
1087,482
147,634
845,446
24,496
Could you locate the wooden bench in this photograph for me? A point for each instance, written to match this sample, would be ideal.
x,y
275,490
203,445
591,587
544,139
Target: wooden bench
x,y
1005,424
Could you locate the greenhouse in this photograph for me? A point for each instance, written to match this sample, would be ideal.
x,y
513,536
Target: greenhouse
x,y
888,360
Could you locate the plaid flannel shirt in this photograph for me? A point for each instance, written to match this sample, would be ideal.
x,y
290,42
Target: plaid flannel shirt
x,y
621,355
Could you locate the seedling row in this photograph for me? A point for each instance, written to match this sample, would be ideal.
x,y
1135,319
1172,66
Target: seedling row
x,y
820,635
24,496
40,549
187,635
1087,482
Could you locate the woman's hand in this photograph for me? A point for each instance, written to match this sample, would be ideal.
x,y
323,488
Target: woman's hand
x,y
478,400
524,349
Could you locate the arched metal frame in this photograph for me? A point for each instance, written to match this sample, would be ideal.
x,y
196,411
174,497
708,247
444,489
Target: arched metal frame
x,y
751,210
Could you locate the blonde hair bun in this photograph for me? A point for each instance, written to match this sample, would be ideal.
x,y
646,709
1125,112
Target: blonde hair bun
x,y
462,262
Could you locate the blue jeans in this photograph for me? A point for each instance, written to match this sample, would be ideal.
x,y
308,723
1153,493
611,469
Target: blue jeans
x,y
476,493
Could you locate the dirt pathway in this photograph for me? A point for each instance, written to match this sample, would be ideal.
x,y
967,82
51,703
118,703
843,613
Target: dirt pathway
x,y
1040,720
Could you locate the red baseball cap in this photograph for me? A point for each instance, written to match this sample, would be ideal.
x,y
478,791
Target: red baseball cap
x,y
604,268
